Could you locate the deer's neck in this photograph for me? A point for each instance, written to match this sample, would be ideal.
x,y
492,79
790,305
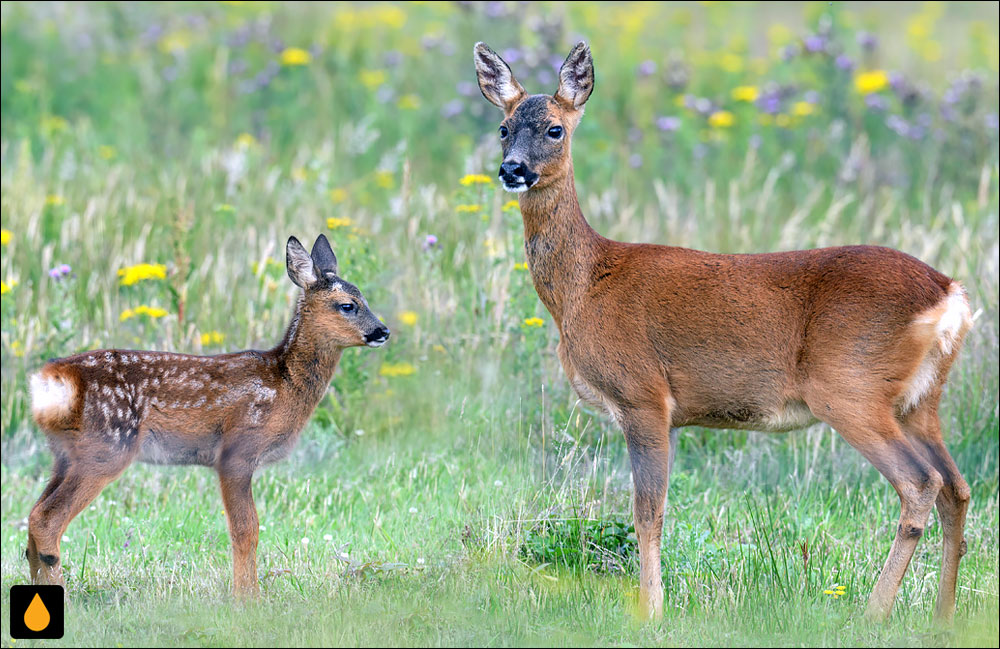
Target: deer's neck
x,y
560,244
306,360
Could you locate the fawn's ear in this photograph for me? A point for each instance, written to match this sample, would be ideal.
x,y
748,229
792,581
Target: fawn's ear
x,y
576,78
323,257
300,265
496,81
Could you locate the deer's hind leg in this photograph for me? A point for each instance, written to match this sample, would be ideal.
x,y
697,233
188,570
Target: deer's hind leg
x,y
89,467
870,426
59,467
923,428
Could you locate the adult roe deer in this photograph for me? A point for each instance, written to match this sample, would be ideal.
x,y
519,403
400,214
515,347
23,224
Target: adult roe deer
x,y
103,410
858,337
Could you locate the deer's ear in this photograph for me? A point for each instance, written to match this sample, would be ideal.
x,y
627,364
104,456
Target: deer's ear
x,y
299,264
496,81
576,77
323,257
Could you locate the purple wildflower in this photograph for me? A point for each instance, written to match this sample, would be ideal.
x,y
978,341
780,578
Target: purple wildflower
x,y
452,109
466,88
668,123
814,43
646,68
875,101
635,161
867,41
65,269
844,62
430,241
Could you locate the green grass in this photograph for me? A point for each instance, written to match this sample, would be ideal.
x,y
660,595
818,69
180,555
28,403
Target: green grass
x,y
475,501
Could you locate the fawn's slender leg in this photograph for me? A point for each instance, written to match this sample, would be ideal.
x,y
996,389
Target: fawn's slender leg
x,y
874,431
923,428
241,512
49,519
648,436
59,467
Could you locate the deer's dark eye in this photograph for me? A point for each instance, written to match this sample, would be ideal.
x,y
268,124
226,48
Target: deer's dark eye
x,y
347,307
503,132
555,132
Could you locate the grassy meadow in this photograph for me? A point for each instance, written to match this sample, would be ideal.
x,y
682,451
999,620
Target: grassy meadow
x,y
450,489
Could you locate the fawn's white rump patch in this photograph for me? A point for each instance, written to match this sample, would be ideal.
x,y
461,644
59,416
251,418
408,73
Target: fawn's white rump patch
x,y
50,394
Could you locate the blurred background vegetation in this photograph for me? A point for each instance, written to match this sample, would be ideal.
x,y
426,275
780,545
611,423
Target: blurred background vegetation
x,y
155,157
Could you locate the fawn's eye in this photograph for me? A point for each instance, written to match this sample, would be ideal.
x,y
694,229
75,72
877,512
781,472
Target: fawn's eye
x,y
555,132
347,307
503,132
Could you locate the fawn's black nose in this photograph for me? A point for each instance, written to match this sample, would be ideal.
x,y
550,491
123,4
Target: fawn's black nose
x,y
513,171
377,337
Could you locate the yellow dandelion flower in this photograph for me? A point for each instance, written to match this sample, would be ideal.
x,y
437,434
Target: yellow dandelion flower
x,y
533,322
803,108
439,349
746,93
721,119
212,338
467,208
295,56
106,152
521,265
4,288
53,124
408,318
868,82
408,102
55,200
828,592
337,195
392,370
6,236
511,205
15,347
126,314
372,78
385,179
475,179
177,41
245,141
140,272
333,222
151,311
389,16
731,62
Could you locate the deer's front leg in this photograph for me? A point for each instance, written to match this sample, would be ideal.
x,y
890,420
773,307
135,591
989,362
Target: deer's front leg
x,y
647,433
241,513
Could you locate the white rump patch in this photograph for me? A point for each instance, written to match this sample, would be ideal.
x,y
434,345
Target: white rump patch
x,y
50,395
951,319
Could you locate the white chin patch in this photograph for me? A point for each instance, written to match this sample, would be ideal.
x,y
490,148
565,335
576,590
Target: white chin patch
x,y
516,189
375,344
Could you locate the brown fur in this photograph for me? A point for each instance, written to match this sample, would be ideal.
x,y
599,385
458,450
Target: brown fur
x,y
233,412
666,337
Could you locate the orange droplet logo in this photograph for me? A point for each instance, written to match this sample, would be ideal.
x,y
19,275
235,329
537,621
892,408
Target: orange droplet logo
x,y
37,616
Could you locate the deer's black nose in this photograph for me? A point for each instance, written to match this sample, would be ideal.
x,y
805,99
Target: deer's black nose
x,y
513,170
377,337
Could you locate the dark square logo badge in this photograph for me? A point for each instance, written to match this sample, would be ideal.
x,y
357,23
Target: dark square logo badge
x,y
36,612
